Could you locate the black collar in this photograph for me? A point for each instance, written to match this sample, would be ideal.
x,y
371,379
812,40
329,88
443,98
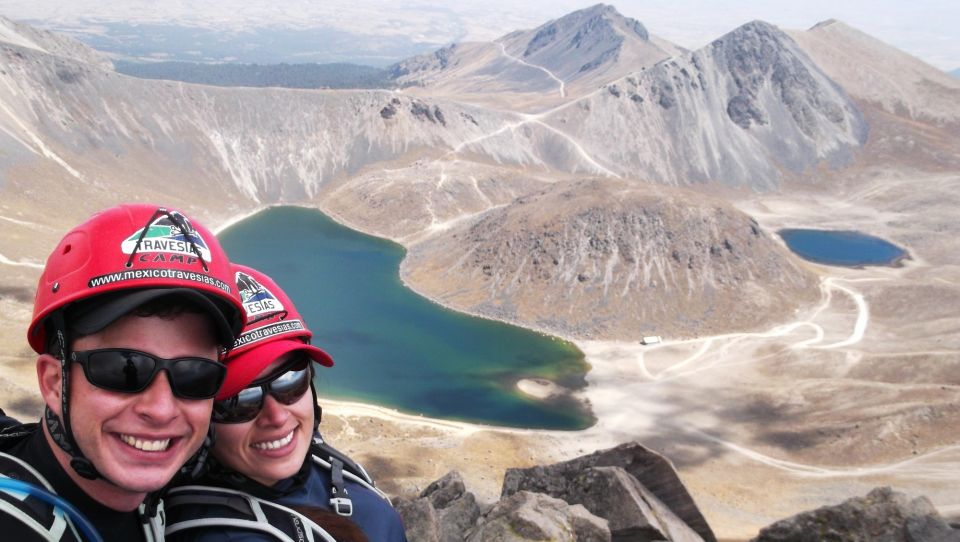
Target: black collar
x,y
112,524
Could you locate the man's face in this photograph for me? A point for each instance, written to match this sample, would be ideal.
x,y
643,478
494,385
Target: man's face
x,y
139,441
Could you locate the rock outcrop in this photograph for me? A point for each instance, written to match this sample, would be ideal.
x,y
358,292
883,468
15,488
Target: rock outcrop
x,y
632,494
443,512
628,493
635,489
526,516
883,515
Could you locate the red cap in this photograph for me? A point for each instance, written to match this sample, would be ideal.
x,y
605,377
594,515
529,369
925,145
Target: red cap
x,y
273,328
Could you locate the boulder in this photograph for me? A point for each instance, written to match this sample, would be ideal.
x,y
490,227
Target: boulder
x,y
883,515
420,520
457,509
526,516
633,512
653,472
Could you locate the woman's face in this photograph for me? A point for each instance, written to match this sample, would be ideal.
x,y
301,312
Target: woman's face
x,y
273,445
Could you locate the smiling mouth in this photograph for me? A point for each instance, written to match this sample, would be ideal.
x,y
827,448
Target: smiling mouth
x,y
145,445
274,444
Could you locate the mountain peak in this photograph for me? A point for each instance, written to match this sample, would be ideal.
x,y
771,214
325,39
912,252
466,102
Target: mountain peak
x,y
582,41
596,16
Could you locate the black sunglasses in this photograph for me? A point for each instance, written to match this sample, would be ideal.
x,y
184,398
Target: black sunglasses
x,y
287,385
132,371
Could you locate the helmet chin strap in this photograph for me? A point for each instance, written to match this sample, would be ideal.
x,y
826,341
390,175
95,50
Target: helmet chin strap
x,y
59,427
317,410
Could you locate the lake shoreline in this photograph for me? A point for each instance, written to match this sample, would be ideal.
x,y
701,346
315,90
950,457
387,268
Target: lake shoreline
x,y
799,242
528,354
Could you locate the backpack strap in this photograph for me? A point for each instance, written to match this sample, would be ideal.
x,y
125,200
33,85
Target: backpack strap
x,y
341,468
324,450
153,525
6,421
204,507
47,520
13,432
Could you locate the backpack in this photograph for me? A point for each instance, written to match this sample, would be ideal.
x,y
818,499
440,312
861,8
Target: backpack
x,y
237,509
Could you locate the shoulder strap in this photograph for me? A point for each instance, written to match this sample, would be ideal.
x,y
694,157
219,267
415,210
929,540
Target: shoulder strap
x,y
47,520
204,507
153,525
13,432
341,468
324,450
7,421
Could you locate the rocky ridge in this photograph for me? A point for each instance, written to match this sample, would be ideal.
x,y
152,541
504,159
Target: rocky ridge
x,y
741,111
623,494
52,43
562,58
879,74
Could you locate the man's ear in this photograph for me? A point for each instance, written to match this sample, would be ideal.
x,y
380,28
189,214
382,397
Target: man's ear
x,y
50,379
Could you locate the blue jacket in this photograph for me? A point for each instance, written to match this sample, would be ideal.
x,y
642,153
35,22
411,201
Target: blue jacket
x,y
371,512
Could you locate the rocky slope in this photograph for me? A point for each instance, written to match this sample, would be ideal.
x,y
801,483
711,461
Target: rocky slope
x,y
50,42
260,145
609,259
880,74
740,111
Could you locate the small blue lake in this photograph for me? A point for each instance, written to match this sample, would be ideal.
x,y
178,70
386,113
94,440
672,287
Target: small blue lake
x,y
393,347
844,248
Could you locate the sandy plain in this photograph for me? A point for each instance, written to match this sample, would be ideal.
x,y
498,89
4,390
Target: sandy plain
x,y
859,390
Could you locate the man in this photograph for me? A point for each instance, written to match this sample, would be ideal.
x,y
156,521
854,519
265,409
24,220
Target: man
x,y
133,311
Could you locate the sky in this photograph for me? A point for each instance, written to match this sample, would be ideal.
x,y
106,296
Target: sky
x,y
927,29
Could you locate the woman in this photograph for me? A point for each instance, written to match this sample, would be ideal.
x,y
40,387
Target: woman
x,y
270,468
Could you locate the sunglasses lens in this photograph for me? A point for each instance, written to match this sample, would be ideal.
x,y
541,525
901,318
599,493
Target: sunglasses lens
x,y
289,387
240,408
196,378
124,371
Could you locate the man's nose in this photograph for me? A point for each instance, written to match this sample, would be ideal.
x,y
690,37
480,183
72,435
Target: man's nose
x,y
157,402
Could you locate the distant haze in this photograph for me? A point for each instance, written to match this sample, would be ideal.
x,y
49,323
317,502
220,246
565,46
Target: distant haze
x,y
378,32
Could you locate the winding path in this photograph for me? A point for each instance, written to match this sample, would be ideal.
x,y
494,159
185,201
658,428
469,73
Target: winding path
x,y
726,353
563,86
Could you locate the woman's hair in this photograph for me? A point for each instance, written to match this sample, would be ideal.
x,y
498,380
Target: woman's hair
x,y
340,527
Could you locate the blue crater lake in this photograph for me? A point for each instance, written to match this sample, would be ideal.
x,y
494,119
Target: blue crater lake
x,y
391,346
845,248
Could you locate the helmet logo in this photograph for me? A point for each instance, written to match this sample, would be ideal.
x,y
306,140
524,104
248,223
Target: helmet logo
x,y
163,235
257,299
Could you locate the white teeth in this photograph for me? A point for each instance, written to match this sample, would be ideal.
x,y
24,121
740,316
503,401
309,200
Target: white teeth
x,y
273,444
146,445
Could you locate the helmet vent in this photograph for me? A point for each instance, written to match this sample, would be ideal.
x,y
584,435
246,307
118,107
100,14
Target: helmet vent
x,y
66,248
56,287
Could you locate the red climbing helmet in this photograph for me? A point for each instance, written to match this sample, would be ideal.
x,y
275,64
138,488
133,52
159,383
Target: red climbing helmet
x,y
273,328
142,252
